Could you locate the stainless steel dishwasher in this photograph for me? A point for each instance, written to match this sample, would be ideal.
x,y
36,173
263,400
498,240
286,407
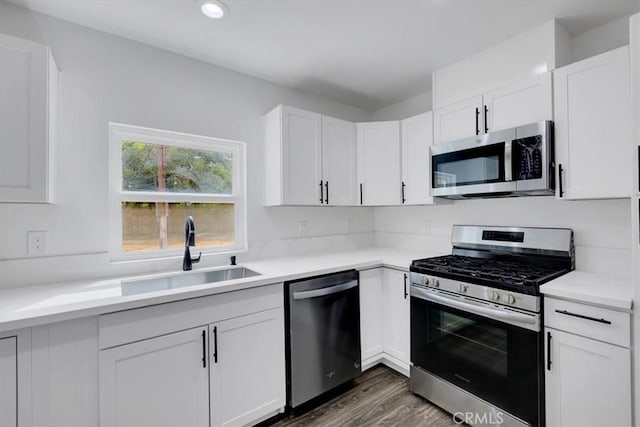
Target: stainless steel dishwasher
x,y
323,334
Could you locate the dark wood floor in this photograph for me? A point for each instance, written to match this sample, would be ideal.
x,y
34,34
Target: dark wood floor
x,y
381,397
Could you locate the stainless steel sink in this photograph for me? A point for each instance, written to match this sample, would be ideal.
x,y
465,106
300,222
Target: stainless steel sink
x,y
141,286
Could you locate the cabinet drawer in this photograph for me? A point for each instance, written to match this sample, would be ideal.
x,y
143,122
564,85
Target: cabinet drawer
x,y
594,322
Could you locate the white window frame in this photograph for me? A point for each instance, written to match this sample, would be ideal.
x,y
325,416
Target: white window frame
x,y
121,132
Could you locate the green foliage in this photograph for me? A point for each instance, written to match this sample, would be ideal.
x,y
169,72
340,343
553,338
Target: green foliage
x,y
185,170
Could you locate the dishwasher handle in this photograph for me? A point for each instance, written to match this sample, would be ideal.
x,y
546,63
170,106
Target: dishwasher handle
x,y
329,290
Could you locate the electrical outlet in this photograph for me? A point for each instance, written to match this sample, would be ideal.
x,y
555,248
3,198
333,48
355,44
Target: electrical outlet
x,y
349,225
37,242
303,228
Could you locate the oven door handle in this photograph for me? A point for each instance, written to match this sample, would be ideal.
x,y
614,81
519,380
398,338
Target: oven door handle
x,y
529,321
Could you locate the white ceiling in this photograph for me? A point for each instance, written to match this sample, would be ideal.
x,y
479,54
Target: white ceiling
x,y
368,53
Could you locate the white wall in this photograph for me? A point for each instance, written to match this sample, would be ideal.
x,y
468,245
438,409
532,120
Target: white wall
x,y
404,109
602,228
106,78
600,39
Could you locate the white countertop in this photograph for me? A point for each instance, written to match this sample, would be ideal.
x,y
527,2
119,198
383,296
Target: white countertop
x,y
37,305
611,291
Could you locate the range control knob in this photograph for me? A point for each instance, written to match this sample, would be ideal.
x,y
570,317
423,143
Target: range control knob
x,y
494,295
436,283
424,280
463,288
511,299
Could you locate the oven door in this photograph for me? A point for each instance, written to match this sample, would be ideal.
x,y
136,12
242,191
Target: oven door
x,y
498,361
473,166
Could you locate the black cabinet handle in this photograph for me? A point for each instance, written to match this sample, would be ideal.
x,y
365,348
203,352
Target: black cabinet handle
x,y
582,316
326,192
215,344
405,286
548,351
204,349
403,197
477,120
321,193
560,179
360,193
486,124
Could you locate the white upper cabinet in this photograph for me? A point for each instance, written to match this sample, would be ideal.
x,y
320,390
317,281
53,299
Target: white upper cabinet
x,y
519,103
310,159
8,382
28,104
593,131
516,104
520,58
417,137
293,154
378,167
458,120
339,162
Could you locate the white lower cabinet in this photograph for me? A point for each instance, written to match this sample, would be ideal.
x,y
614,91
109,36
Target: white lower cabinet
x,y
8,382
396,316
587,381
226,369
162,381
384,318
247,368
371,324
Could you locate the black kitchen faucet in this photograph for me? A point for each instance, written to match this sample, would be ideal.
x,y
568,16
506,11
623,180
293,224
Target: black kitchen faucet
x,y
189,240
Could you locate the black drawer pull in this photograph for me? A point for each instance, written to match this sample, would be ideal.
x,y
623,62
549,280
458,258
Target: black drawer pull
x,y
582,316
361,193
321,193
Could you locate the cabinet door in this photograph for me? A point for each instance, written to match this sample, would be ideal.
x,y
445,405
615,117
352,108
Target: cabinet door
x,y
592,107
26,69
8,382
587,383
371,323
519,104
396,315
301,156
459,120
161,381
379,163
417,137
339,162
247,368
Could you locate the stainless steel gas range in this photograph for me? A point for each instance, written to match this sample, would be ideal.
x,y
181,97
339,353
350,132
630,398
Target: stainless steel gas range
x,y
476,322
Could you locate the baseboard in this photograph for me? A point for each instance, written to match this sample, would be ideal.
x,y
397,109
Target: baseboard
x,y
387,360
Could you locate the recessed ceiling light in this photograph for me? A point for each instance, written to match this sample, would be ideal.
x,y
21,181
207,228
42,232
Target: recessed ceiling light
x,y
213,9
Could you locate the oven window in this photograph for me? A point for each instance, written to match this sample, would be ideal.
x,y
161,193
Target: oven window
x,y
498,362
479,165
475,342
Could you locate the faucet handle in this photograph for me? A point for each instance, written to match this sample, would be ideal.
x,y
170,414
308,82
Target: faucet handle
x,y
197,259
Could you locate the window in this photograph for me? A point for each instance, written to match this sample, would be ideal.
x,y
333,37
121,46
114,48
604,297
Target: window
x,y
158,178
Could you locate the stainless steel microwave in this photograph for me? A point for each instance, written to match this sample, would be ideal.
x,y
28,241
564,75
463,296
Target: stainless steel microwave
x,y
510,162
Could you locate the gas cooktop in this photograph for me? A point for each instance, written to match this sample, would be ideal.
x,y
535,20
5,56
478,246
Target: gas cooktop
x,y
510,274
517,259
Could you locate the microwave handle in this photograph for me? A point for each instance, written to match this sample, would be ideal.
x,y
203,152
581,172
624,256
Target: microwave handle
x,y
508,176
